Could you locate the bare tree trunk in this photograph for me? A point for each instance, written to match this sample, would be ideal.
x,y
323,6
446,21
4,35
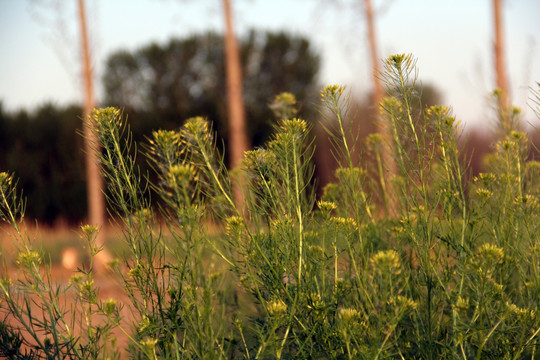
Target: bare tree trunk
x,y
500,64
378,93
94,182
238,141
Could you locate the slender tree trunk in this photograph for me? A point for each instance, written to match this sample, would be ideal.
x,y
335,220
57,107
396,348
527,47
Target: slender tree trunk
x,y
500,64
94,182
378,91
238,141
377,96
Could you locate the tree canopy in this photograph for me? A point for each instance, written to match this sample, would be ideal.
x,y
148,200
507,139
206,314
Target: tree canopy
x,y
44,151
168,83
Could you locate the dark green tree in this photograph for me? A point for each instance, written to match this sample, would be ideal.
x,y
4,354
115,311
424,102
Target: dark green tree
x,y
274,63
43,150
160,86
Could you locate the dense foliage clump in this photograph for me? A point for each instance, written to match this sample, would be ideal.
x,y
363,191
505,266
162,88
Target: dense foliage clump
x,y
435,266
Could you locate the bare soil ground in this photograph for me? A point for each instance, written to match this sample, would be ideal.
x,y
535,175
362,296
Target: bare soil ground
x,y
66,252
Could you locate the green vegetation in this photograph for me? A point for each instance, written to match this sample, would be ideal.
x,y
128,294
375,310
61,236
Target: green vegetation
x,y
158,86
165,83
451,271
42,148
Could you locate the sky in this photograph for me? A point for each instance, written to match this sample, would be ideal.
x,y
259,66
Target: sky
x,y
452,41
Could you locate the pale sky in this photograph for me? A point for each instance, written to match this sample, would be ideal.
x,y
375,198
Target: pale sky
x,y
452,40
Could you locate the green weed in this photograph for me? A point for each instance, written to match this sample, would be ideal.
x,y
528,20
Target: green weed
x,y
451,270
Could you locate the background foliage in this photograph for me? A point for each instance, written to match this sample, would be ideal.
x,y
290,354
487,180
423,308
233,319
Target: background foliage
x,y
42,147
158,87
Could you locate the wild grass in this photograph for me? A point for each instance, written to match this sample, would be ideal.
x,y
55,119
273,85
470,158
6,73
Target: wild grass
x,y
452,270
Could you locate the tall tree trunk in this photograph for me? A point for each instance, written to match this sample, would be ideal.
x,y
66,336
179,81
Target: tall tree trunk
x,y
378,93
500,64
94,182
238,141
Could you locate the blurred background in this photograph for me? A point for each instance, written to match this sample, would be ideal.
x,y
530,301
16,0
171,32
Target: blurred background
x,y
163,61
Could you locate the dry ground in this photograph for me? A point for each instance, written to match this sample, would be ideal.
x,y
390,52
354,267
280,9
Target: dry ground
x,y
66,252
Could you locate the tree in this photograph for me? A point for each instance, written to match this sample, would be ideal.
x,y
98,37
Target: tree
x,y
60,32
274,63
377,97
41,148
94,182
500,65
171,82
238,142
378,91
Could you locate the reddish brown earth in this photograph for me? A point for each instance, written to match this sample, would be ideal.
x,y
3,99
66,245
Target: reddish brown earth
x,y
66,257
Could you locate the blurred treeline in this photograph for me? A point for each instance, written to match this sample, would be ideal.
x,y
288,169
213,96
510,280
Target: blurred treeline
x,y
159,86
44,151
